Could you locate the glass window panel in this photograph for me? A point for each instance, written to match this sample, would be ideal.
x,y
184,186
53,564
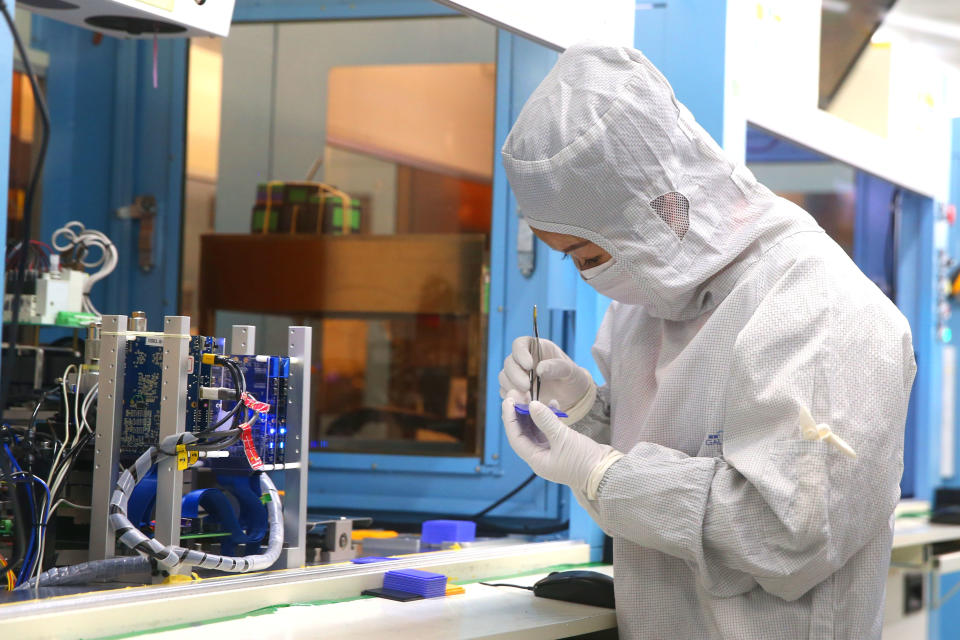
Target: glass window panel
x,y
393,284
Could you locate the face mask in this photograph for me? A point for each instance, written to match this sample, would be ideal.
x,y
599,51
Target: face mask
x,y
615,284
593,272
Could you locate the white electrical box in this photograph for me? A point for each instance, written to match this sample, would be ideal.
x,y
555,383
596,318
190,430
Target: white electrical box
x,y
53,292
140,18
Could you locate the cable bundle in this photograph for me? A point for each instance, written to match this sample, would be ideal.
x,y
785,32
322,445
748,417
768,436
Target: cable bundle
x,y
170,556
39,513
38,256
73,241
77,433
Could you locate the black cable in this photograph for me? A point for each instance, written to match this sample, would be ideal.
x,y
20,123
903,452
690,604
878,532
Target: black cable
x,y
239,385
73,451
24,430
525,529
499,502
69,456
36,410
504,584
217,445
70,459
484,527
27,208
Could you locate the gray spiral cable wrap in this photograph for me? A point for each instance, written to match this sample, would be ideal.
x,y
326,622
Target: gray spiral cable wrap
x,y
170,556
85,572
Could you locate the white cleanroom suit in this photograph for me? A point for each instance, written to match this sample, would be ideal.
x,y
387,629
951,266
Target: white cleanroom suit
x,y
734,312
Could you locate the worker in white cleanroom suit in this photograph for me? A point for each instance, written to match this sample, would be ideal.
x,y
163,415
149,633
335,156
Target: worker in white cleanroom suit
x,y
734,514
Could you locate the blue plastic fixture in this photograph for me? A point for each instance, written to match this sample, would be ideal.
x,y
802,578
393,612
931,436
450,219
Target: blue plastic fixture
x,y
371,560
423,583
439,531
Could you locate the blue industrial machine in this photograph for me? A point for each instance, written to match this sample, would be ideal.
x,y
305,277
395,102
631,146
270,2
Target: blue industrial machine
x,y
892,242
128,142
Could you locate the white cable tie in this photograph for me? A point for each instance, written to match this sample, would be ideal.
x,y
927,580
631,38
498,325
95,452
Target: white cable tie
x,y
810,430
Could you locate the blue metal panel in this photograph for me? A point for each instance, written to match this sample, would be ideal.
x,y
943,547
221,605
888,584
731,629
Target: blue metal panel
x,y
686,40
158,168
295,10
115,137
873,249
80,91
945,621
916,298
766,147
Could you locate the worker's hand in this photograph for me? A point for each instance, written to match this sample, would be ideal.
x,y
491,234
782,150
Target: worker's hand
x,y
555,451
561,379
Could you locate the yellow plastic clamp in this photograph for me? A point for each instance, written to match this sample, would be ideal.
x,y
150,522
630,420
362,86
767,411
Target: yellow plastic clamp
x,y
185,458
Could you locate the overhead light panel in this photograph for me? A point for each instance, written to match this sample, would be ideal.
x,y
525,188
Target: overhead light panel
x,y
140,18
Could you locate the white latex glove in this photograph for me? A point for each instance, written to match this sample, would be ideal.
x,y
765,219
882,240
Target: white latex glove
x,y
561,455
561,379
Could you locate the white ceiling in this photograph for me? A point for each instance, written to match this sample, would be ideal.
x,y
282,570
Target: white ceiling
x,y
936,23
947,10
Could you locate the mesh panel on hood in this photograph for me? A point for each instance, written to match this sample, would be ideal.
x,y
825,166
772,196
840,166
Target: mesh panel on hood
x,y
598,146
674,209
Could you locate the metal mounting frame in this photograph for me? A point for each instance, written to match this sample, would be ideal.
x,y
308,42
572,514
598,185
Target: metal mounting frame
x,y
173,421
295,473
295,469
106,455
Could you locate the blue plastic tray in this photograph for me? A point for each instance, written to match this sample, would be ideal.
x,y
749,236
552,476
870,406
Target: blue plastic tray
x,y
524,410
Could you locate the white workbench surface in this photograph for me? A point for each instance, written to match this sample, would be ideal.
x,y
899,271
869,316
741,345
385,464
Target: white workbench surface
x,y
911,533
481,612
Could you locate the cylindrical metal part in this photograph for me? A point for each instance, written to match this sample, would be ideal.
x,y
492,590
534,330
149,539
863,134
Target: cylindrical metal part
x,y
137,321
91,349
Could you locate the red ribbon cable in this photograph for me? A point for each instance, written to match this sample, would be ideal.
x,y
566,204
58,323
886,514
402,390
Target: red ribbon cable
x,y
249,448
255,405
